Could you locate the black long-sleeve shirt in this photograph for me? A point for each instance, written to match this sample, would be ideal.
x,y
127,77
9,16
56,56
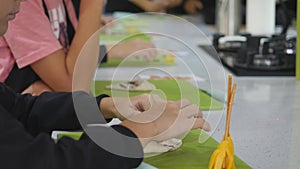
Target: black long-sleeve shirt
x,y
25,142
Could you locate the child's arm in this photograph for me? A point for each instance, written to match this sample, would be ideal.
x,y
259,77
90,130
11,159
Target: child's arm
x,y
56,70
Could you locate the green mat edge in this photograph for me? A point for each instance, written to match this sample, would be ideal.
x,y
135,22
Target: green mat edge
x,y
240,164
214,104
210,142
117,62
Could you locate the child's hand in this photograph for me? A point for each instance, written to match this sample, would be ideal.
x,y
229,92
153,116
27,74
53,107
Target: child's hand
x,y
124,108
165,120
106,20
192,6
37,88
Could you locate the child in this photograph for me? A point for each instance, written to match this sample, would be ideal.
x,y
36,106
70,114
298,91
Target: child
x,y
26,124
41,47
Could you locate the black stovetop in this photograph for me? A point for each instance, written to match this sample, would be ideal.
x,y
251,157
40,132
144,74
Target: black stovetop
x,y
242,71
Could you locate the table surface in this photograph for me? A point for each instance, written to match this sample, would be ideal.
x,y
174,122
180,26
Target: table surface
x,y
265,123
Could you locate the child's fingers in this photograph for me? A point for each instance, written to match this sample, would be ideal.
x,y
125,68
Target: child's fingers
x,y
191,111
201,123
183,103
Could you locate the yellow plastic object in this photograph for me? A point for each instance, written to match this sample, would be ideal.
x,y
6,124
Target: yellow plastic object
x,y
132,31
223,156
170,58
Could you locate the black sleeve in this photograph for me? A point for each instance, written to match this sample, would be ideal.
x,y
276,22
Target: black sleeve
x,y
45,113
19,149
24,144
102,54
20,79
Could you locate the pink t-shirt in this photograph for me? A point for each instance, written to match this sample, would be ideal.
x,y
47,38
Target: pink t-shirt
x,y
32,36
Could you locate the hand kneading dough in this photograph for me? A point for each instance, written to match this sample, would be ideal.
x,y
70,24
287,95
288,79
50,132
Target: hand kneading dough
x,y
155,147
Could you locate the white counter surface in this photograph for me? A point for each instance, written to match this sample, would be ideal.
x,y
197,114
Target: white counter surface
x,y
265,123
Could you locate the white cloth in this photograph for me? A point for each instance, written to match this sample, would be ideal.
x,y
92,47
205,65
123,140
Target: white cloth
x,y
154,147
